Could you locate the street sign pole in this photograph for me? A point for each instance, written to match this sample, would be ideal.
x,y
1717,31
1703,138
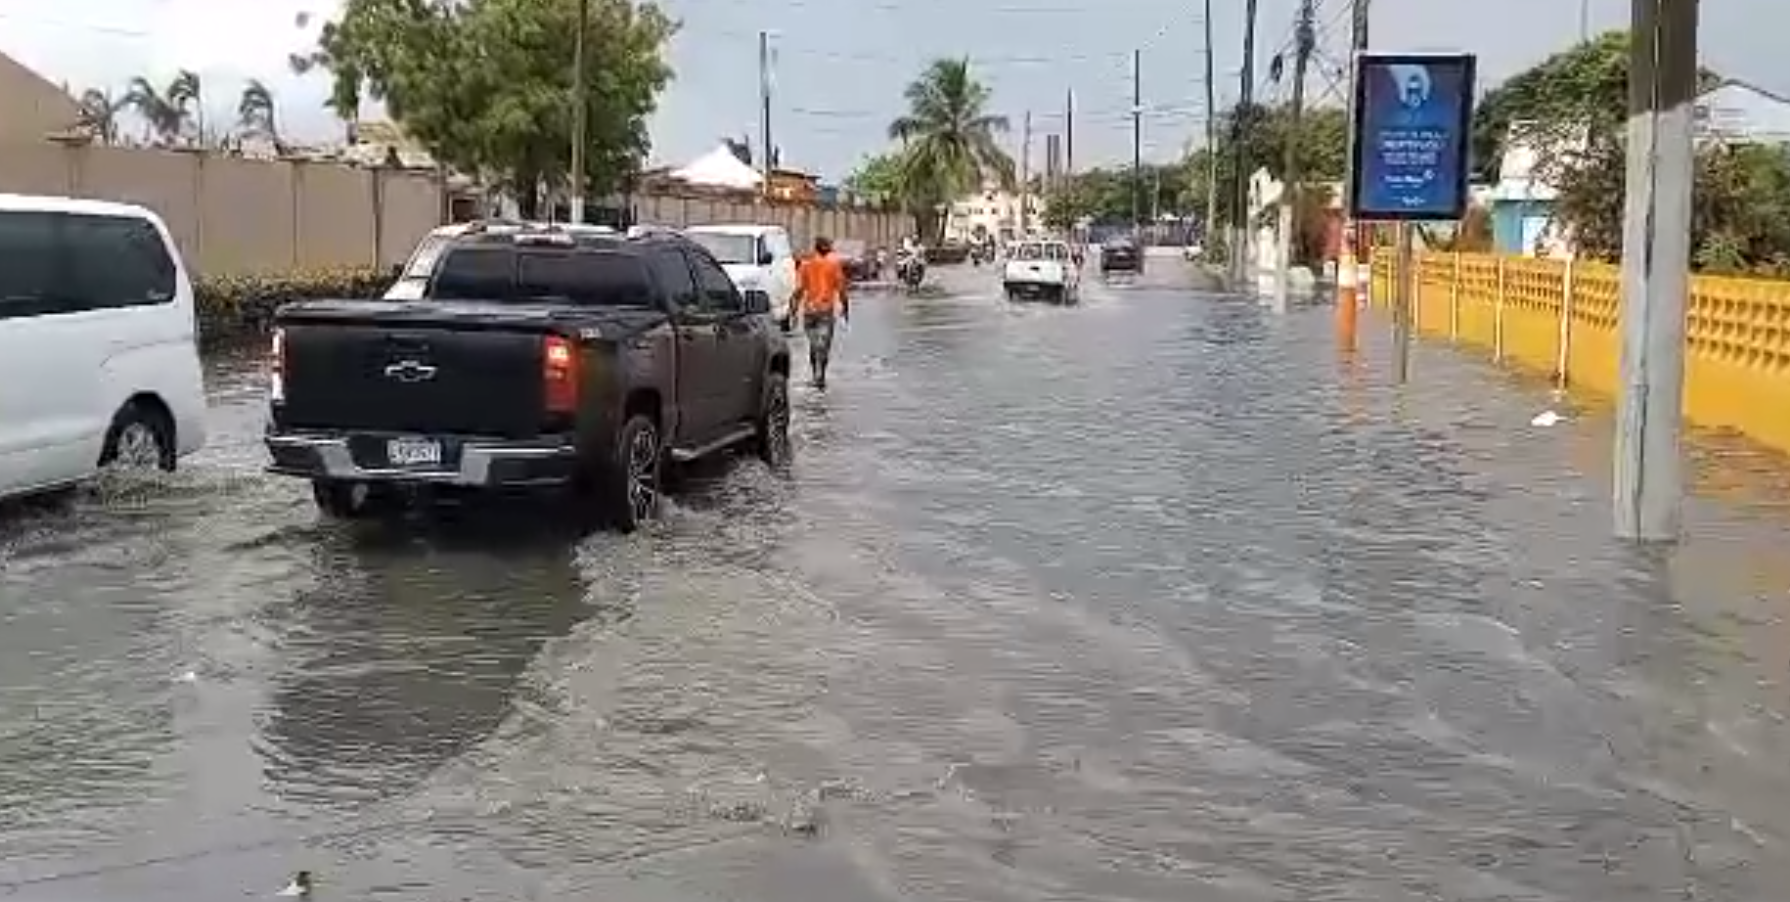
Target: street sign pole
x,y
1403,295
1408,159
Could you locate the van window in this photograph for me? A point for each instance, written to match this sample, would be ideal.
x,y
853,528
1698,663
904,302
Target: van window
x,y
69,262
116,261
31,281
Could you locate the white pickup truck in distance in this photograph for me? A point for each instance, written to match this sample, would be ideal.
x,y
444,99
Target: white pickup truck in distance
x,y
1042,271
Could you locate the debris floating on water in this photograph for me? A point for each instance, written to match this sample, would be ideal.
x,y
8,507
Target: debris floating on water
x,y
299,887
1546,418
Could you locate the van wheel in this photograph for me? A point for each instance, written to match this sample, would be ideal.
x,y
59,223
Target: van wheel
x,y
347,500
631,480
140,438
772,438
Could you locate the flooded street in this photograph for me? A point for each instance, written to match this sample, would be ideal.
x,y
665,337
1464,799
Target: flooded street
x,y
1151,599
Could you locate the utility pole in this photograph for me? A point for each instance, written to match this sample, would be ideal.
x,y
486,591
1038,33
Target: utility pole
x,y
1211,137
1584,21
1662,87
1025,172
1137,144
1242,125
1303,42
764,109
1069,132
580,111
1348,271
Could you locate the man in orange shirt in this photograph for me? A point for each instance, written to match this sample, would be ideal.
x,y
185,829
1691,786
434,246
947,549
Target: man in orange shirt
x,y
821,300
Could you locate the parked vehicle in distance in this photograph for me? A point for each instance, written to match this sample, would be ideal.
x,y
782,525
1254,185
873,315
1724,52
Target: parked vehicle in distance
x,y
861,263
99,357
534,359
755,257
1042,270
413,276
949,252
1120,255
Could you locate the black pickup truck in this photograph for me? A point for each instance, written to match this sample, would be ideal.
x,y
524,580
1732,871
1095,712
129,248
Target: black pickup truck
x,y
534,359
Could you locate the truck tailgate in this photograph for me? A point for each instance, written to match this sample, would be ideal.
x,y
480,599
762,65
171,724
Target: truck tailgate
x,y
414,377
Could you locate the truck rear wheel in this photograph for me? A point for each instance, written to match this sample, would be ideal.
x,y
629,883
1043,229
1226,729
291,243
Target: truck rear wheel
x,y
772,438
630,482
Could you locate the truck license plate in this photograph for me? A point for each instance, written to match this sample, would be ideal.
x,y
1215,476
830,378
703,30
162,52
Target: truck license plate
x,y
412,452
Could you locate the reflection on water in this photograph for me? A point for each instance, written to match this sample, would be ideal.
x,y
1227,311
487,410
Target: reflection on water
x,y
407,651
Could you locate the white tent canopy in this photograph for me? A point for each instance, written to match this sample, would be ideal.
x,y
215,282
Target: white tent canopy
x,y
719,168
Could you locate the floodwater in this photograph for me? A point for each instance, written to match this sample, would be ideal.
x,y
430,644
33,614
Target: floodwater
x,y
1156,598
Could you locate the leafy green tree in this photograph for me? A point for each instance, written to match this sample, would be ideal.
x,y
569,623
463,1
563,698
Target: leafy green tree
x,y
879,177
1323,142
486,85
950,142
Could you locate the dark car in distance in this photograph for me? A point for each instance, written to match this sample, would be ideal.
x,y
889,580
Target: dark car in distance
x,y
1120,255
533,360
860,261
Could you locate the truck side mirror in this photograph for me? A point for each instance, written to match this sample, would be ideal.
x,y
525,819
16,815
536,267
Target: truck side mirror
x,y
767,258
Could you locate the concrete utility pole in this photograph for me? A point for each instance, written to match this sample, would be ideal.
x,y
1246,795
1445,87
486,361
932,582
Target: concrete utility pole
x,y
1137,144
1242,126
1662,88
1211,137
1025,172
1303,42
1584,21
1348,270
1069,133
764,108
580,111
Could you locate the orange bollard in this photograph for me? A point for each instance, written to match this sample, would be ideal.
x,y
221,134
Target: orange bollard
x,y
1347,298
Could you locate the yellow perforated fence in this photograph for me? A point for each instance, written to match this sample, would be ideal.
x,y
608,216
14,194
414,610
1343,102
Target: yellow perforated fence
x,y
1562,318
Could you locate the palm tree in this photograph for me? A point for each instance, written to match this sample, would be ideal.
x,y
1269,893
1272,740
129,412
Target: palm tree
x,y
951,144
99,115
255,111
162,119
184,92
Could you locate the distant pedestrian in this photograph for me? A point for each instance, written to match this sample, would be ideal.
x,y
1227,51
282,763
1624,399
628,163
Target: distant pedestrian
x,y
823,302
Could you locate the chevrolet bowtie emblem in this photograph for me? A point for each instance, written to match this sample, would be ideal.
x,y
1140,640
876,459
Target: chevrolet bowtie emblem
x,y
410,371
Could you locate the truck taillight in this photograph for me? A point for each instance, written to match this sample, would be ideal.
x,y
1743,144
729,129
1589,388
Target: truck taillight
x,y
276,365
559,374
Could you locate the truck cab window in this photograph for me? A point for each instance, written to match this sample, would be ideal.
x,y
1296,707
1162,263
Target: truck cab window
x,y
672,272
716,293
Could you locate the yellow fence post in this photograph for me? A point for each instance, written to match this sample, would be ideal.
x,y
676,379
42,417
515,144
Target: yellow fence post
x,y
1454,301
1498,316
1563,351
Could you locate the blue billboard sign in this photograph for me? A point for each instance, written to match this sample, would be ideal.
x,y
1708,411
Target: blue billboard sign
x,y
1413,117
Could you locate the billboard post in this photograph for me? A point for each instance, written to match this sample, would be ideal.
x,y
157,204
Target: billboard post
x,y
1409,157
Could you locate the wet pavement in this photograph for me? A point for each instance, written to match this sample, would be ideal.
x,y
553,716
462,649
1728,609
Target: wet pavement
x,y
1151,599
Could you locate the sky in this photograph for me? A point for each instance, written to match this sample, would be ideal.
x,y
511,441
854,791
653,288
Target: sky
x,y
841,65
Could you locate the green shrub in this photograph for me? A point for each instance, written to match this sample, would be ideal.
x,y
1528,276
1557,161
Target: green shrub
x,y
232,305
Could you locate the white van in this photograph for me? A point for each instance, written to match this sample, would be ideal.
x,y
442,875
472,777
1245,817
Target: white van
x,y
99,358
755,256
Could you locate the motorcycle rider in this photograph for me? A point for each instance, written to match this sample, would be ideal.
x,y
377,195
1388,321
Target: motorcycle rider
x,y
822,301
912,256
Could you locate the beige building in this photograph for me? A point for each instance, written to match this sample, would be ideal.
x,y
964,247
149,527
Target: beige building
x,y
32,107
993,213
